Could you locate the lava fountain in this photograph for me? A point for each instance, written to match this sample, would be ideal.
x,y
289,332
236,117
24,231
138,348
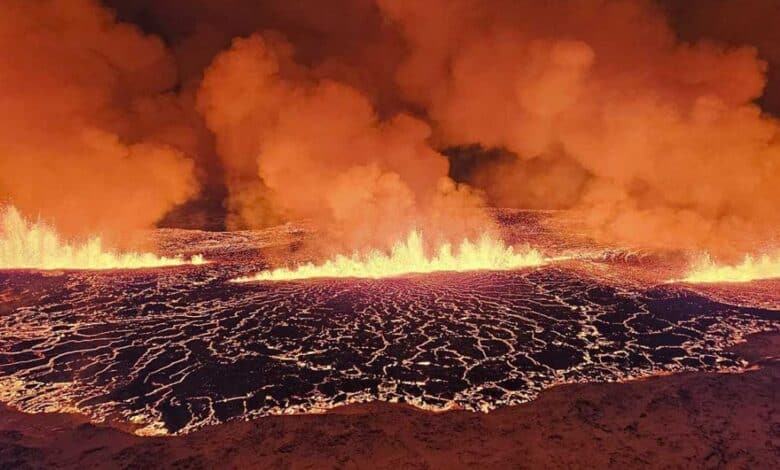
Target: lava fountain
x,y
706,270
36,245
407,257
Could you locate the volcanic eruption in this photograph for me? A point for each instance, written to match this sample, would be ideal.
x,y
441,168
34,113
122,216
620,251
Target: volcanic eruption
x,y
475,201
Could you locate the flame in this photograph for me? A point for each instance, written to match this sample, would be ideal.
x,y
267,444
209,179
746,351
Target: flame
x,y
408,257
27,245
705,270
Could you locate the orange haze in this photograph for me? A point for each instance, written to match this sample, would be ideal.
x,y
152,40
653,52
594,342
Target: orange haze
x,y
338,113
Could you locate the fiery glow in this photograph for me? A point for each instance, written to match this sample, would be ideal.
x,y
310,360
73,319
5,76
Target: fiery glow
x,y
28,245
705,270
408,257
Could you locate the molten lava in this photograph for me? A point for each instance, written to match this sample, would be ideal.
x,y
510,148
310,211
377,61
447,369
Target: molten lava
x,y
28,245
408,257
705,270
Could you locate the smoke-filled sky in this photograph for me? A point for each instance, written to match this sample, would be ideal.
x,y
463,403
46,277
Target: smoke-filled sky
x,y
651,120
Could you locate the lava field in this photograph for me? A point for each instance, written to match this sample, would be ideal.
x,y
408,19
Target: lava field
x,y
169,350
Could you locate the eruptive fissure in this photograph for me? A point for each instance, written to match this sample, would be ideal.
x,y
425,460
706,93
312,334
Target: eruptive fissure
x,y
706,270
408,257
36,245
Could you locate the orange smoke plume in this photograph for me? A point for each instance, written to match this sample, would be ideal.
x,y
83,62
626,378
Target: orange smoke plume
x,y
77,93
657,142
298,147
339,114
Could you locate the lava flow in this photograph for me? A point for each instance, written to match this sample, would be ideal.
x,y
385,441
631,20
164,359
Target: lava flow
x,y
35,245
407,257
706,270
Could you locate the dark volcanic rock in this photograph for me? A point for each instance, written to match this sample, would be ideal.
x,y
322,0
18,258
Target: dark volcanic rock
x,y
181,348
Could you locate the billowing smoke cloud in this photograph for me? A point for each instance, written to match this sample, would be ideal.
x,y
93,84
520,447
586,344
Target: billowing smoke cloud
x,y
641,117
295,146
735,22
657,142
88,137
345,40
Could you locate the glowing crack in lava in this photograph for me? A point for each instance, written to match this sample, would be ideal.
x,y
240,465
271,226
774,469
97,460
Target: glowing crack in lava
x,y
706,270
407,257
27,245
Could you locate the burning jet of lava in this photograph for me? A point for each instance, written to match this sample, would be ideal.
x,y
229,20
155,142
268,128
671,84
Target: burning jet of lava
x,y
409,257
27,245
706,270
